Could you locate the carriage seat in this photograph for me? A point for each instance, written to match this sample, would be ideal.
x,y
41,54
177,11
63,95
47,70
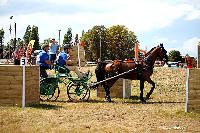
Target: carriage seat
x,y
62,71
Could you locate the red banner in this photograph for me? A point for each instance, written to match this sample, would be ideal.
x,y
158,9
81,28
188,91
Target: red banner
x,y
189,62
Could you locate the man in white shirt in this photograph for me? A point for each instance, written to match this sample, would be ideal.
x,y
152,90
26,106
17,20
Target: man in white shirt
x,y
53,50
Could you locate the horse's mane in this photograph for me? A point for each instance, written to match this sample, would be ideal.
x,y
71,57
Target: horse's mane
x,y
149,52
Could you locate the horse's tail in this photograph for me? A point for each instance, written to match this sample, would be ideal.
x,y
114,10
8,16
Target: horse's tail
x,y
100,71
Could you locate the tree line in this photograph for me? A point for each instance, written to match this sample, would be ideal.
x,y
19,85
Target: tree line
x,y
115,42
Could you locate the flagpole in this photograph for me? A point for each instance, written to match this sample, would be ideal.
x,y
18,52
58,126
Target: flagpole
x,y
10,37
79,63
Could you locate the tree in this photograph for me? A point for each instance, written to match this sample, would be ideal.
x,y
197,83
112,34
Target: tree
x,y
35,36
32,34
20,42
68,37
87,42
92,40
27,35
1,37
132,39
47,41
117,42
174,55
120,42
83,32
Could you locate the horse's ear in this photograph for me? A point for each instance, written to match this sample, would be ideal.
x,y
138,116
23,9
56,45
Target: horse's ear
x,y
161,45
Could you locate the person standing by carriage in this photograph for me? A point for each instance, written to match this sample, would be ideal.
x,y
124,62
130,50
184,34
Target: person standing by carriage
x,y
44,62
53,50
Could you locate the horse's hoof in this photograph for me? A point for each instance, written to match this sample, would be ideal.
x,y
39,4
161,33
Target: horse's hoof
x,y
143,101
147,96
108,100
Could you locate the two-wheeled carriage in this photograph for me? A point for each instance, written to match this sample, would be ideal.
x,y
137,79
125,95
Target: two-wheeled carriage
x,y
77,88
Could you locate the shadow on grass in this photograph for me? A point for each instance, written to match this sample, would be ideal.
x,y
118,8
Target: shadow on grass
x,y
131,100
155,102
45,106
136,100
166,102
96,101
134,97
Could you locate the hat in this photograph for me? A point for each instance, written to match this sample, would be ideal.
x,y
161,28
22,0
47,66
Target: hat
x,y
45,45
67,46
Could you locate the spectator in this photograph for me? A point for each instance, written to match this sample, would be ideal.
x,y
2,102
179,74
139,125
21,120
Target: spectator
x,y
17,55
29,52
53,50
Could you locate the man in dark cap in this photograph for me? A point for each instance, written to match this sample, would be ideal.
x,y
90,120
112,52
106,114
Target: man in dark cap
x,y
64,61
63,57
44,61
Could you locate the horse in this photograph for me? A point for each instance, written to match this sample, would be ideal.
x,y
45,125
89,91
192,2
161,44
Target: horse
x,y
141,70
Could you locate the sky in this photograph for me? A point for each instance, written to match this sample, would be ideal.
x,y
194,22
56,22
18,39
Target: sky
x,y
175,23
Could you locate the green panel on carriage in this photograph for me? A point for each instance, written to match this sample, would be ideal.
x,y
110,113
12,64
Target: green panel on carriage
x,y
48,85
11,85
63,70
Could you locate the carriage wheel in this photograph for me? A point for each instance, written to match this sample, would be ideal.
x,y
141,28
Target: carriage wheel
x,y
49,92
78,92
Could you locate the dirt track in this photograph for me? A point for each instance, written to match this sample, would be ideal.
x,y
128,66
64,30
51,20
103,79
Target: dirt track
x,y
163,113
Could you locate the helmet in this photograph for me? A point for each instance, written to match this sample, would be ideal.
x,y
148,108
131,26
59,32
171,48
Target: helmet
x,y
67,46
45,45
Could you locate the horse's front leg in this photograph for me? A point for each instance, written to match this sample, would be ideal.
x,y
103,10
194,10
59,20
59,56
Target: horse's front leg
x,y
152,88
107,93
141,91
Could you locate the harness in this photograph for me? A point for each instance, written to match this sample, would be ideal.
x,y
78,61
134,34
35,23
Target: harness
x,y
116,76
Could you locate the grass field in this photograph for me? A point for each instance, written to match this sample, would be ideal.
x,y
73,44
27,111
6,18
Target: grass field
x,y
163,113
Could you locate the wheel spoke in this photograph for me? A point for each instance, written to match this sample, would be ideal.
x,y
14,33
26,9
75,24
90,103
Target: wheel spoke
x,y
78,92
48,91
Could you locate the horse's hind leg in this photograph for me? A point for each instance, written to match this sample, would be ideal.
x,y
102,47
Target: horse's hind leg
x,y
152,88
141,91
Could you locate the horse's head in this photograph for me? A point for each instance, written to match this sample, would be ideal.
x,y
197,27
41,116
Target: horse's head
x,y
162,55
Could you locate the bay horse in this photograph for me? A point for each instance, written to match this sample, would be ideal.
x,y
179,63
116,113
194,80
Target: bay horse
x,y
137,70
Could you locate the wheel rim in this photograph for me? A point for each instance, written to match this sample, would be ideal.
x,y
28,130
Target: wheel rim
x,y
49,92
78,92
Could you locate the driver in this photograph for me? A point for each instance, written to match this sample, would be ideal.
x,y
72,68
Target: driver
x,y
64,61
44,61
